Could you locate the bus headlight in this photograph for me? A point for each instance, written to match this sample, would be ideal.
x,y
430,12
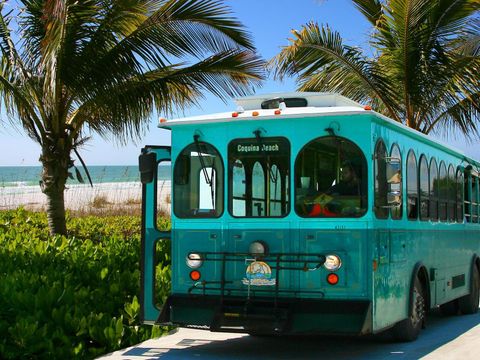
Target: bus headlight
x,y
332,262
194,260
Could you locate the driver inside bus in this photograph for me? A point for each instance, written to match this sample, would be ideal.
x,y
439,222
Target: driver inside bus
x,y
334,201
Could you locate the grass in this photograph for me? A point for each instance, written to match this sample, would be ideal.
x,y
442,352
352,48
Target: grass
x,y
100,201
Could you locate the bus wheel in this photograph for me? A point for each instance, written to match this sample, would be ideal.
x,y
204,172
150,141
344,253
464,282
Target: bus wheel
x,y
469,303
408,329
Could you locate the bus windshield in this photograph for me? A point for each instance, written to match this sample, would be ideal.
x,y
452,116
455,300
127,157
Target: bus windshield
x,y
330,179
259,174
198,182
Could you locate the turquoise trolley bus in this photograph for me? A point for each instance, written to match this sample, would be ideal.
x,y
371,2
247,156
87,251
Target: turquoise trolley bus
x,y
310,213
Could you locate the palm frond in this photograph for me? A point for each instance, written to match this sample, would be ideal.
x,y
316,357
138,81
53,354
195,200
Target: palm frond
x,y
225,74
318,56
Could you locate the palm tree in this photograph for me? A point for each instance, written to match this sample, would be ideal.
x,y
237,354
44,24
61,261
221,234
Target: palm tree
x,y
424,71
72,67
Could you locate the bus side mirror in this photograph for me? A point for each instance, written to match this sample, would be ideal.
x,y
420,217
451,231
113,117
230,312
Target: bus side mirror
x,y
394,171
147,163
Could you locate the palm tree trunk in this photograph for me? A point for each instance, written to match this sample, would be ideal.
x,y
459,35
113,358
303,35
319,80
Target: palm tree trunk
x,y
54,176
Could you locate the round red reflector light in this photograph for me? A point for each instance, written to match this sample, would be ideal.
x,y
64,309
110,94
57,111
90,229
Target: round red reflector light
x,y
367,107
195,275
332,279
235,114
278,112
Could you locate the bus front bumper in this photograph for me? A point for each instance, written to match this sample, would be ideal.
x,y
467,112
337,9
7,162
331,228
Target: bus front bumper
x,y
269,316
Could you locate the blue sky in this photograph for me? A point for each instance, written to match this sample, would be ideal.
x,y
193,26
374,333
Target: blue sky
x,y
270,23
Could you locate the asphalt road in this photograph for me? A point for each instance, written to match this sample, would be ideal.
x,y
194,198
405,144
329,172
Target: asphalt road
x,y
456,337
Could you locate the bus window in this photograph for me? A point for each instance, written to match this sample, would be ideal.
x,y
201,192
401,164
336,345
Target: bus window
x,y
443,192
275,192
258,190
474,199
459,203
452,185
412,186
238,189
396,211
164,183
258,173
468,197
424,187
380,181
198,182
330,179
433,190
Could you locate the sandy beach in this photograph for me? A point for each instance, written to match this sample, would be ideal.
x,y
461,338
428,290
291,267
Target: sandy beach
x,y
84,197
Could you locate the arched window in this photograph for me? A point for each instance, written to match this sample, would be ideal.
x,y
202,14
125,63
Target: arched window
x,y
275,189
198,182
331,179
412,186
443,192
424,187
396,211
452,190
258,190
475,199
459,203
380,181
433,190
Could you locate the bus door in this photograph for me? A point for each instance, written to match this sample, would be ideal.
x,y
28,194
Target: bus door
x,y
153,172
259,233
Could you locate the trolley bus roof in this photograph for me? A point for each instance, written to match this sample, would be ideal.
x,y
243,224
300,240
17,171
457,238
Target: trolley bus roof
x,y
305,104
300,105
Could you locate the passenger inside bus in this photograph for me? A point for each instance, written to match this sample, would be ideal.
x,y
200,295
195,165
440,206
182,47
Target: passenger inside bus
x,y
341,197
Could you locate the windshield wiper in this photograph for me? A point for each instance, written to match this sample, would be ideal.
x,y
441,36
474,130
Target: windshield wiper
x,y
208,179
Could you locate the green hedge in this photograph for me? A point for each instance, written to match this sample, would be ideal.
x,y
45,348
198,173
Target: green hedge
x,y
75,296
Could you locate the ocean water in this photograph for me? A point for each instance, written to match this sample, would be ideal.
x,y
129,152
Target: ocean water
x,y
26,176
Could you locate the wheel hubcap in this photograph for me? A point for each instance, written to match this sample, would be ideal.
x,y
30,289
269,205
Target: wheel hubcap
x,y
418,311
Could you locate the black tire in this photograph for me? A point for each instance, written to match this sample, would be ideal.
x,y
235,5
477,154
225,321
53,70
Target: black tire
x,y
450,308
409,329
468,304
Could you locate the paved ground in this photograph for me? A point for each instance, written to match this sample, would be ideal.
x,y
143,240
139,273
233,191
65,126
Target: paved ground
x,y
455,337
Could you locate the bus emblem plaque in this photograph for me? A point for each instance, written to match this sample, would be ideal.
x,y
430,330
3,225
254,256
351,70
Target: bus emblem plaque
x,y
258,273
